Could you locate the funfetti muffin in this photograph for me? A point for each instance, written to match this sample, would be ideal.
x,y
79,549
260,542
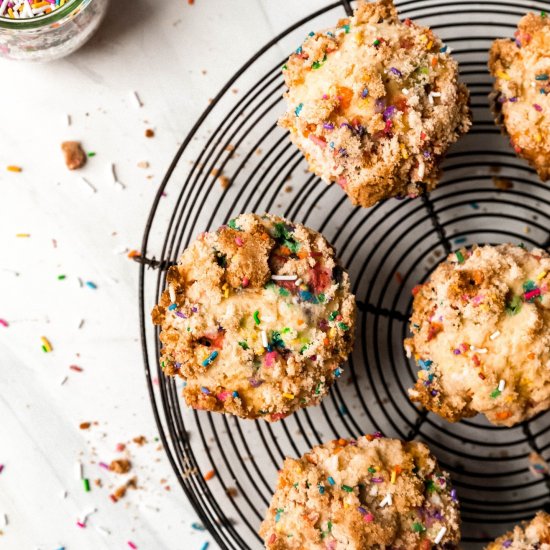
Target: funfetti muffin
x,y
371,493
481,335
257,318
374,104
534,535
521,68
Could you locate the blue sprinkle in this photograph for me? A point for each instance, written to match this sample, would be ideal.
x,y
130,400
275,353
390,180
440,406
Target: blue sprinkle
x,y
89,284
331,144
331,481
235,394
308,297
425,364
443,49
198,526
474,205
337,372
299,50
396,72
205,390
321,490
311,33
364,93
171,307
343,410
460,240
298,109
205,546
210,359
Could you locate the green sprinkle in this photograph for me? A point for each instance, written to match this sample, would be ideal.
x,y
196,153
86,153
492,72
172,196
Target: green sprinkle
x,y
347,488
286,330
333,315
418,527
495,393
459,257
233,224
513,307
321,297
284,67
318,388
61,277
541,77
543,14
346,28
376,43
317,64
372,470
343,326
91,154
283,291
86,483
257,317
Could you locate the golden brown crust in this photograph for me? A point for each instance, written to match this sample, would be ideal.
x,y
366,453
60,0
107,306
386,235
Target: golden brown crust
x,y
257,318
520,92
374,104
371,493
481,335
533,535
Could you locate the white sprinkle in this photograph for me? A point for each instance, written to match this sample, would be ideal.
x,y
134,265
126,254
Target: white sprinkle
x,y
62,383
495,335
137,99
298,282
405,91
92,187
479,350
5,520
432,95
284,277
87,514
103,530
64,494
3,7
69,119
81,324
115,177
387,501
440,535
421,169
501,385
79,470
265,343
172,292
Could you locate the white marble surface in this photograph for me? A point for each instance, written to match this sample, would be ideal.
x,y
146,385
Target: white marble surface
x,y
176,56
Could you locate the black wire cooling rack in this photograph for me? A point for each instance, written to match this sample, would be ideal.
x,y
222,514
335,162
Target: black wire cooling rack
x,y
387,249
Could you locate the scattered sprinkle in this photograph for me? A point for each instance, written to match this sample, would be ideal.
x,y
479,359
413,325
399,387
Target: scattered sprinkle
x,y
86,483
298,109
46,345
210,359
495,335
440,535
265,343
132,545
198,526
209,475
4,323
89,184
284,277
459,256
91,285
387,501
136,99
13,168
257,317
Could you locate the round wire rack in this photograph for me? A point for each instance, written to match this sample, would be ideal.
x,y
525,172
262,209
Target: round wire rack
x,y
487,195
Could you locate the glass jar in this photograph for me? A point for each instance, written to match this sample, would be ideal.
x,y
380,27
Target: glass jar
x,y
51,36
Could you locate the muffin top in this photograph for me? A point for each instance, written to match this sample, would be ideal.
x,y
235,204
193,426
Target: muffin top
x,y
374,103
257,318
521,68
534,535
481,335
367,493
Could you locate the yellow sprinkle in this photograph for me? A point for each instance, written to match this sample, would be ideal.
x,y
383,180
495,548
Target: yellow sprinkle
x,y
225,289
538,138
346,505
358,36
12,168
22,235
404,151
423,38
46,346
430,44
10,11
332,332
541,275
288,395
393,476
503,75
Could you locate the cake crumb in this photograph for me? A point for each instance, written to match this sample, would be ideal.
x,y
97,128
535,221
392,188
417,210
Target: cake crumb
x,y
75,157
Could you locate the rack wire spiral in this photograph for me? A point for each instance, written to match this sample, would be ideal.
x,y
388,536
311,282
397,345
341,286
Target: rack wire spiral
x,y
387,249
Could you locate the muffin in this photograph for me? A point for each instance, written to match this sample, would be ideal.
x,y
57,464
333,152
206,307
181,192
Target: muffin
x,y
374,104
521,104
371,493
481,335
257,318
529,536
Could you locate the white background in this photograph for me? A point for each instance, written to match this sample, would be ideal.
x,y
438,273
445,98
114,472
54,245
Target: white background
x,y
175,56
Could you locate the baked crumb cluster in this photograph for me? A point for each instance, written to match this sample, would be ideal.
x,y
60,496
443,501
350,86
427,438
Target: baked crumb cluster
x,y
534,535
367,493
374,104
257,318
481,335
521,68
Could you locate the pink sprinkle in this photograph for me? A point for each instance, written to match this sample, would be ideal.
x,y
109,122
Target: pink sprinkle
x,y
222,396
245,282
270,357
103,465
81,525
318,141
537,107
132,545
4,323
272,538
1,468
278,416
120,447
532,294
342,182
239,241
368,517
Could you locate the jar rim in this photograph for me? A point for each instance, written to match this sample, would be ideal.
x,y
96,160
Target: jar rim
x,y
40,21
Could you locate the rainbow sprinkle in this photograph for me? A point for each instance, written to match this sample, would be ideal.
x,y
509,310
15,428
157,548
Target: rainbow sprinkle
x,y
46,345
26,9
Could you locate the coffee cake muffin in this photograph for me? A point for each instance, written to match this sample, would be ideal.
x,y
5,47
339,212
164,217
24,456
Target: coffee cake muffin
x,y
534,535
372,493
521,68
257,318
481,335
374,104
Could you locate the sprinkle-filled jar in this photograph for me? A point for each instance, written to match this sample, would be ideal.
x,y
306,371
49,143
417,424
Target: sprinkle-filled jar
x,y
43,30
